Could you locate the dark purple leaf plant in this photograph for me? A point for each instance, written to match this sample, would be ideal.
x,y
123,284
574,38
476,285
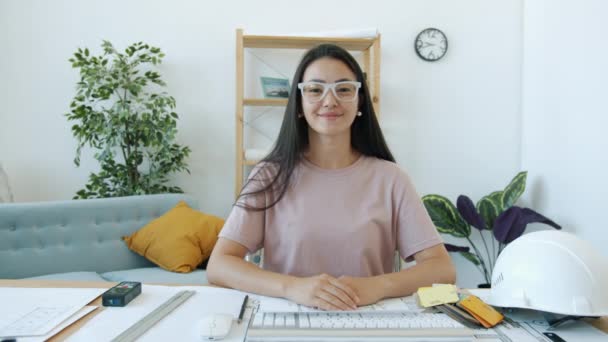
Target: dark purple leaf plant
x,y
494,214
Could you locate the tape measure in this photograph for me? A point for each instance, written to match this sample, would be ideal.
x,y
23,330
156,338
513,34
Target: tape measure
x,y
141,326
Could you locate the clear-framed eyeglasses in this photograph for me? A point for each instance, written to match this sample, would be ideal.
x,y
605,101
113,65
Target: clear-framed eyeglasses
x,y
345,91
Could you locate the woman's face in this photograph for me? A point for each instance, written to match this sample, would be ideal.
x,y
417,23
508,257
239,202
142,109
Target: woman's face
x,y
329,116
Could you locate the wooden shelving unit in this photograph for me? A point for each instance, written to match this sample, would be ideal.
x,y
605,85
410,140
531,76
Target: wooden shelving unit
x,y
370,48
265,102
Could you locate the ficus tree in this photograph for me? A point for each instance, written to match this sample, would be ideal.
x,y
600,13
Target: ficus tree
x,y
120,112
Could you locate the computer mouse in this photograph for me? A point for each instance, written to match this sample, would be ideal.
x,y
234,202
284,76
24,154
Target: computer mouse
x,y
214,327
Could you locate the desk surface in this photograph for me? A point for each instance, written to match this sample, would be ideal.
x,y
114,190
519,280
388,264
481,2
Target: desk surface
x,y
601,323
56,283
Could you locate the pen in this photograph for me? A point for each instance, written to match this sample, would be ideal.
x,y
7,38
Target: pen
x,y
243,308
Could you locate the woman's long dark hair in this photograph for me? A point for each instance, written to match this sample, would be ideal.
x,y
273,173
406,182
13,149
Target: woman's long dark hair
x,y
366,136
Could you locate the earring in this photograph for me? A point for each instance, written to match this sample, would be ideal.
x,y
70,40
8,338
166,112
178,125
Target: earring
x,y
359,113
300,116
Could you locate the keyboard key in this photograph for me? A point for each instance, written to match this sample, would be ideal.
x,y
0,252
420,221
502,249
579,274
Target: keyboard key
x,y
268,320
290,321
258,320
304,321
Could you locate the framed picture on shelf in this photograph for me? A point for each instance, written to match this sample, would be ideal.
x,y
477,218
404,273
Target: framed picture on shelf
x,y
275,87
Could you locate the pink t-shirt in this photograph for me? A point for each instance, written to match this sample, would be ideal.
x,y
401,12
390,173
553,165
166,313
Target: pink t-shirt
x,y
345,221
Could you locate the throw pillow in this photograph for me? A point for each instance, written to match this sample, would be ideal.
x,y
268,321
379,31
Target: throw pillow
x,y
179,240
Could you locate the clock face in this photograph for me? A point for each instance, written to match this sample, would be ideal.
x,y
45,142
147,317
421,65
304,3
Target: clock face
x,y
431,44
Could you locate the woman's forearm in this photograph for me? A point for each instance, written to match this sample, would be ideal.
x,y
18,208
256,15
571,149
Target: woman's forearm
x,y
407,281
236,273
322,291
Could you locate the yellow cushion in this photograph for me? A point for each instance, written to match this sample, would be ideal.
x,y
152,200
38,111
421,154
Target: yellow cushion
x,y
178,241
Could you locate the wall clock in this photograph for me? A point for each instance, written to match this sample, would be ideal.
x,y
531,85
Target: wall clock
x,y
431,44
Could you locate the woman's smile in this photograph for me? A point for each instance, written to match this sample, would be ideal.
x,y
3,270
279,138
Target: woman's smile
x,y
330,115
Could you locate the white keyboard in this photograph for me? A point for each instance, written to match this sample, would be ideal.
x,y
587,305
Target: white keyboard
x,y
323,325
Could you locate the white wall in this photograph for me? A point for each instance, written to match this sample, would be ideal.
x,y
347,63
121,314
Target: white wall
x,y
455,125
565,115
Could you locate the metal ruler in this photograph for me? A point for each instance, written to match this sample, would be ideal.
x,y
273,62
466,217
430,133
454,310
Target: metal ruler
x,y
141,326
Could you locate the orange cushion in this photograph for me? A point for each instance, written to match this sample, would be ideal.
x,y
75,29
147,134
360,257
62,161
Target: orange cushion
x,y
179,240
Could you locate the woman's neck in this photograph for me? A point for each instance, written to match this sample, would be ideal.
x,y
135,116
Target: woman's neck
x,y
331,152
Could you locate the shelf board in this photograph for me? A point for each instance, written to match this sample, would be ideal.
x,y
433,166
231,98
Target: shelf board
x,y
288,42
265,102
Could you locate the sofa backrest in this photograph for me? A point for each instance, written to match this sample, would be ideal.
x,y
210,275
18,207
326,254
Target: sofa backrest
x,y
79,235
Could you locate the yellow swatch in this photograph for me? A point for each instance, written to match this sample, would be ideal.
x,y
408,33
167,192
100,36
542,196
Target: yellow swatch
x,y
437,294
486,314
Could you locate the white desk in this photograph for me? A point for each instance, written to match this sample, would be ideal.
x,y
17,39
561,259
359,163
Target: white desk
x,y
601,323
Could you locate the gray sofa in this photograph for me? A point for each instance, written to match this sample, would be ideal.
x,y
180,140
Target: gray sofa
x,y
81,240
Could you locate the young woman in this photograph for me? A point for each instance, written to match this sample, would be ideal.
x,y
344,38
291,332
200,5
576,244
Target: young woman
x,y
329,205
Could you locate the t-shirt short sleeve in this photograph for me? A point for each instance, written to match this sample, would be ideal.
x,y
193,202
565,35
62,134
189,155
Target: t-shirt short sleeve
x,y
246,226
415,229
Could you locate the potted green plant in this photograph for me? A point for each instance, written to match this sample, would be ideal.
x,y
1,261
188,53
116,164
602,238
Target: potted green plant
x,y
119,112
494,214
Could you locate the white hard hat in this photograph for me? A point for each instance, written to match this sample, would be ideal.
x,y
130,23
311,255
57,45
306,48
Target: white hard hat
x,y
551,271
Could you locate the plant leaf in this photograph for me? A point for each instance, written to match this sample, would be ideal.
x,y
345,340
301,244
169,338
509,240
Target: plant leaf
x,y
507,227
453,248
488,210
467,210
530,216
496,198
446,218
513,222
514,190
471,257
